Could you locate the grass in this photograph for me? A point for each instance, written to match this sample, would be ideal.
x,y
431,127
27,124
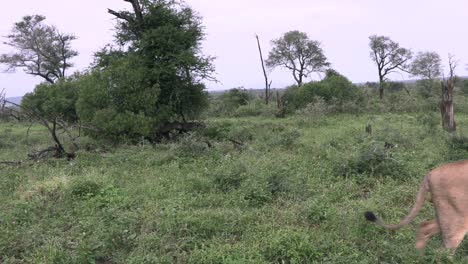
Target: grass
x,y
294,191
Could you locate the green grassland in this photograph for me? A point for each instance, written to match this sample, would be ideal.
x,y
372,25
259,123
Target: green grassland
x,y
293,191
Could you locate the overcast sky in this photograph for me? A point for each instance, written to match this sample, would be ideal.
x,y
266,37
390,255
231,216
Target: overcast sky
x,y
343,27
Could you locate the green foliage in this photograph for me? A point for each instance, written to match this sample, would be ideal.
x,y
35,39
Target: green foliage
x,y
156,79
84,188
388,56
296,52
264,202
288,246
333,88
428,88
426,65
41,50
374,159
230,178
394,86
458,147
235,97
291,99
229,102
464,87
53,101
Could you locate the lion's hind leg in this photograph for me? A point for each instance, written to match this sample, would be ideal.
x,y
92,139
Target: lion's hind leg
x,y
425,231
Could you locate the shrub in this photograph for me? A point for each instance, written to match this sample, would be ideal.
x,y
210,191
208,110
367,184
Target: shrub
x,y
334,85
230,178
291,99
84,188
372,158
315,109
334,88
228,102
428,88
278,182
189,146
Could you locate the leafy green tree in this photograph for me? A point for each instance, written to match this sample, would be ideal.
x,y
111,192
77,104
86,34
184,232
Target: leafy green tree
x,y
154,78
427,65
389,57
41,50
296,52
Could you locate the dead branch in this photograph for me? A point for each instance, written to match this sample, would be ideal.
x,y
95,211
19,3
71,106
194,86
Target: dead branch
x,y
12,163
267,84
236,143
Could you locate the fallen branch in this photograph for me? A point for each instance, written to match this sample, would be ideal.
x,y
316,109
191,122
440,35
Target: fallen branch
x,y
236,143
12,163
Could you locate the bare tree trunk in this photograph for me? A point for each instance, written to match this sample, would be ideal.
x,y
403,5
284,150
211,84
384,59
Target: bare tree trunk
x,y
446,106
446,100
267,84
381,87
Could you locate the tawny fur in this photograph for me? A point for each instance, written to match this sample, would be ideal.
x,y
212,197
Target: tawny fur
x,y
448,187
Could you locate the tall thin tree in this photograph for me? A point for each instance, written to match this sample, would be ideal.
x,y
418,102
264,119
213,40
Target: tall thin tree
x,y
265,75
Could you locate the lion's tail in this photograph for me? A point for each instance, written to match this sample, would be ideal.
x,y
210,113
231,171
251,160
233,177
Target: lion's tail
x,y
420,198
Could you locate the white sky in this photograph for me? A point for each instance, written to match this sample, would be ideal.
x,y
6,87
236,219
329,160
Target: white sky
x,y
343,27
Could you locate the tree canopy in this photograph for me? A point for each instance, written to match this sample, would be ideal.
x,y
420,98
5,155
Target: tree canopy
x,y
389,57
427,65
40,49
297,53
154,75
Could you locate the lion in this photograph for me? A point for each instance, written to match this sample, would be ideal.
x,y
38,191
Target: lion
x,y
448,187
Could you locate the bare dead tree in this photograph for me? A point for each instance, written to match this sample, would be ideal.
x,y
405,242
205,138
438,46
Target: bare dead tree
x,y
267,84
446,100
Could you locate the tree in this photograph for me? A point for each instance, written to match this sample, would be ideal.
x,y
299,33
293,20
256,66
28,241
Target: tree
x,y
389,57
446,102
426,65
41,50
154,78
296,52
267,84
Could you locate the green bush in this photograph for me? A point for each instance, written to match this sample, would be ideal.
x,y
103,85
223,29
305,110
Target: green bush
x,y
228,102
85,188
315,109
373,158
428,88
332,86
189,146
230,177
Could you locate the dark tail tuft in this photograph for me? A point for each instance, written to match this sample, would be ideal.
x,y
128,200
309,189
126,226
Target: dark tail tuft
x,y
370,216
